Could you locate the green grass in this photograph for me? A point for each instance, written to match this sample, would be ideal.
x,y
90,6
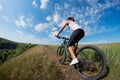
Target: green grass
x,y
112,53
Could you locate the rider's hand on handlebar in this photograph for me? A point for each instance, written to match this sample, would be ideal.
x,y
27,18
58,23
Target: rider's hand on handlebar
x,y
57,36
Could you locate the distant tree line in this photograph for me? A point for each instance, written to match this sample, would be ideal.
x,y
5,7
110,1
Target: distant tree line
x,y
10,49
8,53
7,46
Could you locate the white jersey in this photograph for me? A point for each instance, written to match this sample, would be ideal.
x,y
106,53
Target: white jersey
x,y
73,26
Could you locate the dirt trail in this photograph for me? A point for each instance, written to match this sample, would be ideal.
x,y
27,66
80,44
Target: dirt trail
x,y
67,70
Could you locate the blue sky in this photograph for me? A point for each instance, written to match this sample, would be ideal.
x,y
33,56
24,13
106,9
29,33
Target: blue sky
x,y
37,21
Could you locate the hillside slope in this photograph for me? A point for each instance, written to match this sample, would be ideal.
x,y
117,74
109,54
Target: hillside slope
x,y
37,63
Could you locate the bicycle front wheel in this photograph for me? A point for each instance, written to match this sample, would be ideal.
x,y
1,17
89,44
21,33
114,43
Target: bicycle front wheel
x,y
61,54
92,63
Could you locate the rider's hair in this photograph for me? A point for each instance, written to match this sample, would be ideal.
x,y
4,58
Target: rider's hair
x,y
71,18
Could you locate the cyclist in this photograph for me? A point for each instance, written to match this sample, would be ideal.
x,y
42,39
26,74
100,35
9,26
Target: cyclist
x,y
77,34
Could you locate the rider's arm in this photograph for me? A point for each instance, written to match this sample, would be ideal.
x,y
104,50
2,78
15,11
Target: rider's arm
x,y
66,23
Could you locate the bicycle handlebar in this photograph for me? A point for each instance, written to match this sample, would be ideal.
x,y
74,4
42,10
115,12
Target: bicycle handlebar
x,y
59,37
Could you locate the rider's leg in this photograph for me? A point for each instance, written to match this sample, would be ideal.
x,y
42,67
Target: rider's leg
x,y
72,52
74,49
75,37
74,59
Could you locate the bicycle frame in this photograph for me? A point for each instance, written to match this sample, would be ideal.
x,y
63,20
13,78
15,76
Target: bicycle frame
x,y
65,43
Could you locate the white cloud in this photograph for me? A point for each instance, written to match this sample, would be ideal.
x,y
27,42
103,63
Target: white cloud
x,y
19,31
18,35
56,17
88,16
43,4
1,7
24,22
5,18
26,37
62,22
21,22
41,26
54,29
57,7
48,18
49,29
52,34
92,3
34,3
29,21
66,5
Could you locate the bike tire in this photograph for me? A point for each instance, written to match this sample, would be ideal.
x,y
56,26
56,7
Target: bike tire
x,y
98,54
61,54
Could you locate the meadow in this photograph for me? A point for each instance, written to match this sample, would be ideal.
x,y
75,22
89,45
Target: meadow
x,y
112,53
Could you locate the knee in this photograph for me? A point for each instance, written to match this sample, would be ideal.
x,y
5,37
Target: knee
x,y
69,47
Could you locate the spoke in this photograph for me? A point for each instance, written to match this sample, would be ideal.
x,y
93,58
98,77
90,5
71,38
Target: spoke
x,y
84,55
91,62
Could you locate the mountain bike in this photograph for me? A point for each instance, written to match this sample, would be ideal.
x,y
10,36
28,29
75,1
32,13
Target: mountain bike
x,y
92,61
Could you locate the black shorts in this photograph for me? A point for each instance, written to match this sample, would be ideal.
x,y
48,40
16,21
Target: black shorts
x,y
76,36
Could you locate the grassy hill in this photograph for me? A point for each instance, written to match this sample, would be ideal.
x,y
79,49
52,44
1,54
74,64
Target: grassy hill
x,y
29,66
37,63
40,63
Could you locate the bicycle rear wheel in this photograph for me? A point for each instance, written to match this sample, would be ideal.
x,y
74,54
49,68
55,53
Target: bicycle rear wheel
x,y
61,54
92,63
